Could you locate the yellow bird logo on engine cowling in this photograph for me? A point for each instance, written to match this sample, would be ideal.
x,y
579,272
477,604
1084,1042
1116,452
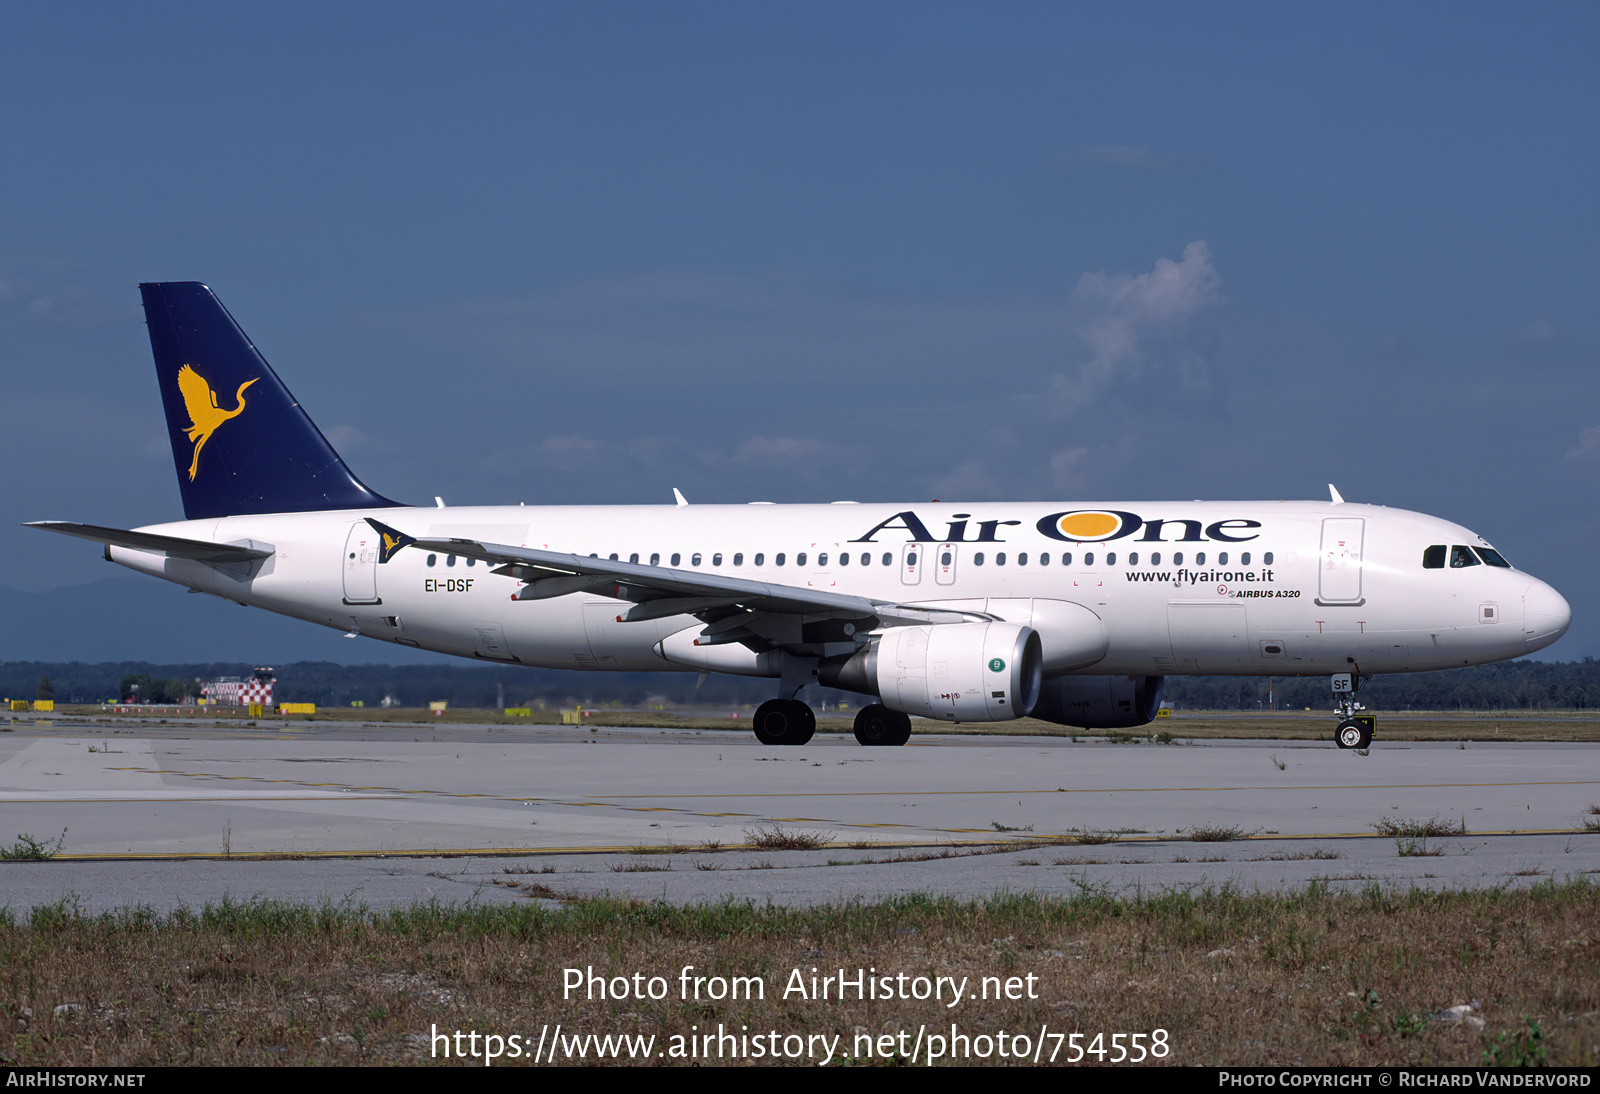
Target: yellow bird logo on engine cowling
x,y
204,413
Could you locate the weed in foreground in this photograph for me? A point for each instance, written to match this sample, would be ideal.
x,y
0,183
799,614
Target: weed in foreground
x,y
27,848
638,867
998,827
776,837
1089,837
1419,829
1591,822
1216,833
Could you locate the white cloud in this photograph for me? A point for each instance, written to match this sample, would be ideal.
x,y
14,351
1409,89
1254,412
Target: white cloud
x,y
1588,444
1140,328
783,451
345,438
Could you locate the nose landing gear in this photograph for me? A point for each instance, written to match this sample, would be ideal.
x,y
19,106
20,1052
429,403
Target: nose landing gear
x,y
1355,729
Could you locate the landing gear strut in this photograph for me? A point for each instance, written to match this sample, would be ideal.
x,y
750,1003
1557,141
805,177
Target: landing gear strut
x,y
878,725
784,722
1355,729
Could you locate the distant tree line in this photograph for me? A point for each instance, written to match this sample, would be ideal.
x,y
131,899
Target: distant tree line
x,y
1515,685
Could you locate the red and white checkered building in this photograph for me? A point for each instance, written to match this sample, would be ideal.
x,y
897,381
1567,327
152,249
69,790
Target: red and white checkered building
x,y
236,692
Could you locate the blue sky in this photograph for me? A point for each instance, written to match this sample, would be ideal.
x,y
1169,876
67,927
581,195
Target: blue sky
x,y
799,252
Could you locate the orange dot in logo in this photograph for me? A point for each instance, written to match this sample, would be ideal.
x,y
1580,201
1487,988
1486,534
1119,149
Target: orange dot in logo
x,y
1089,525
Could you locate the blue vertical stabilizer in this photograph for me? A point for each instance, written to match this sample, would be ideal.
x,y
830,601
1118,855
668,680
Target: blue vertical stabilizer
x,y
240,441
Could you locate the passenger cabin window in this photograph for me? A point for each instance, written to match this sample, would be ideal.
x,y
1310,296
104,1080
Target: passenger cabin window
x,y
694,559
1177,558
844,558
1267,558
613,556
977,559
1044,558
1155,558
1133,558
655,559
634,558
676,558
1199,558
1000,558
1244,559
1433,557
1088,558
1111,558
800,559
1461,557
1066,558
1022,558
432,559
449,560
944,559
474,562
1222,558
1492,557
738,558
761,558
822,559
888,559
779,560
716,559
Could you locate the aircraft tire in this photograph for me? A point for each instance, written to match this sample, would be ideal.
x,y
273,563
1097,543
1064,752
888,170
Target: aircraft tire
x,y
878,725
784,722
1353,734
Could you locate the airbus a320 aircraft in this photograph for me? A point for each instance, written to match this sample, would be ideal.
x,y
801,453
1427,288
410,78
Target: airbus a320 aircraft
x,y
986,612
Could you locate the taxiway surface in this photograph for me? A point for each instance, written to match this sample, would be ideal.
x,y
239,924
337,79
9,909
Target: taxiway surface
x,y
168,816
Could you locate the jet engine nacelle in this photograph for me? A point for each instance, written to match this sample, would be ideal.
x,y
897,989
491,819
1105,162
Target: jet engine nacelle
x,y
1100,702
956,672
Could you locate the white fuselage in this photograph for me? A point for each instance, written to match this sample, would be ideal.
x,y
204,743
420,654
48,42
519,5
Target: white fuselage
x,y
1274,588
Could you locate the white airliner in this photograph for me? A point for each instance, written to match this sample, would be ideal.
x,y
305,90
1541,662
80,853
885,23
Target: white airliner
x,y
984,612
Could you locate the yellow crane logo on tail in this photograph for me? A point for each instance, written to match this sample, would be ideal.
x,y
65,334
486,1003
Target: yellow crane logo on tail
x,y
204,413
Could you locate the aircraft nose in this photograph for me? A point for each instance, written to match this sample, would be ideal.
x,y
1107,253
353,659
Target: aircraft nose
x,y
1546,615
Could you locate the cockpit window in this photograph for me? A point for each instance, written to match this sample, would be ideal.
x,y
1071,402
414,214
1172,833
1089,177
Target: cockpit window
x,y
1462,556
1492,557
1433,557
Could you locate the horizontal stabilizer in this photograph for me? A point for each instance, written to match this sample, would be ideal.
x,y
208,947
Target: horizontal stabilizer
x,y
171,546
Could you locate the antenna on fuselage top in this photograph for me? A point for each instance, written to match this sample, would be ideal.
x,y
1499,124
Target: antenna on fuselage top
x,y
1334,494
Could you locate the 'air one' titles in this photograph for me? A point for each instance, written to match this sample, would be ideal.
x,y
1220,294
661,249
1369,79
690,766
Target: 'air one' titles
x,y
1073,526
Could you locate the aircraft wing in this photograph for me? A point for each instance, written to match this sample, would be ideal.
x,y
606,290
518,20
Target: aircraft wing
x,y
172,546
758,613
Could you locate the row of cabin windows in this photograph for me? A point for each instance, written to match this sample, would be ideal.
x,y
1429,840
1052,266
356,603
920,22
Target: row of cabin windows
x,y
978,558
759,559
1433,558
1111,558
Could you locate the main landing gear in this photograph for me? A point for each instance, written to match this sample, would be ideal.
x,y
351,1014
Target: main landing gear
x,y
784,722
791,722
878,725
1355,729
